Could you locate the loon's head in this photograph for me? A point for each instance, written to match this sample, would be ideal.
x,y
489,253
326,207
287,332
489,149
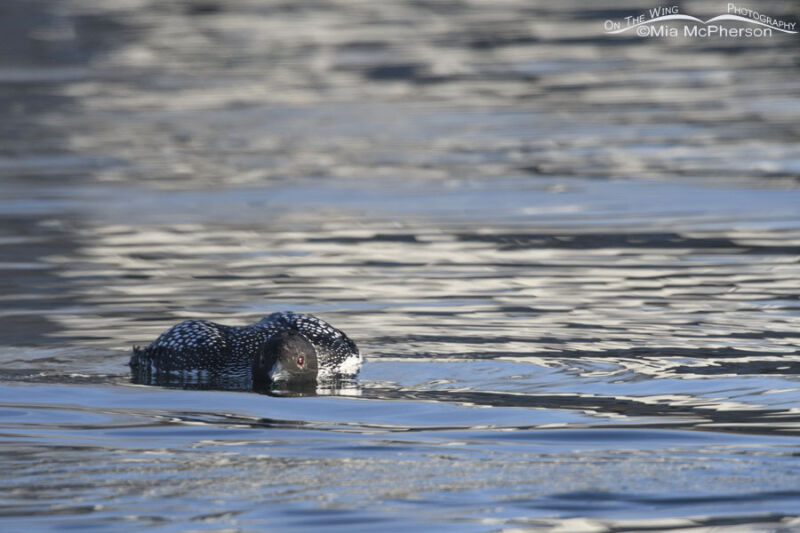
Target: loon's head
x,y
287,356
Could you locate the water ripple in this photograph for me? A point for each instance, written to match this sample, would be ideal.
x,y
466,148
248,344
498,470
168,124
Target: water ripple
x,y
570,260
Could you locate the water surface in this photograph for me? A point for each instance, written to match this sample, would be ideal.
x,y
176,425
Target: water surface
x,y
570,259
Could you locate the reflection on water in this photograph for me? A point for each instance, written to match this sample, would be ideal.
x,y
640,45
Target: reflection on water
x,y
571,261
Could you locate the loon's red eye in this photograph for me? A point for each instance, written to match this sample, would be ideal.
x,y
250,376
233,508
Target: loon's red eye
x,y
300,360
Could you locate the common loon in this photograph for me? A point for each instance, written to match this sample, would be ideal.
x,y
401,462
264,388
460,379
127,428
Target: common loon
x,y
281,347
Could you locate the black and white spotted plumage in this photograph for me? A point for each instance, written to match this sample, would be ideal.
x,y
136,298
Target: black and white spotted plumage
x,y
203,347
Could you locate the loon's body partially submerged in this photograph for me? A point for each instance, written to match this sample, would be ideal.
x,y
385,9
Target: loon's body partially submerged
x,y
280,347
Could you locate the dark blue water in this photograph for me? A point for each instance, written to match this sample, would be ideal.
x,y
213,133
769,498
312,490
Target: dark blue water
x,y
570,259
